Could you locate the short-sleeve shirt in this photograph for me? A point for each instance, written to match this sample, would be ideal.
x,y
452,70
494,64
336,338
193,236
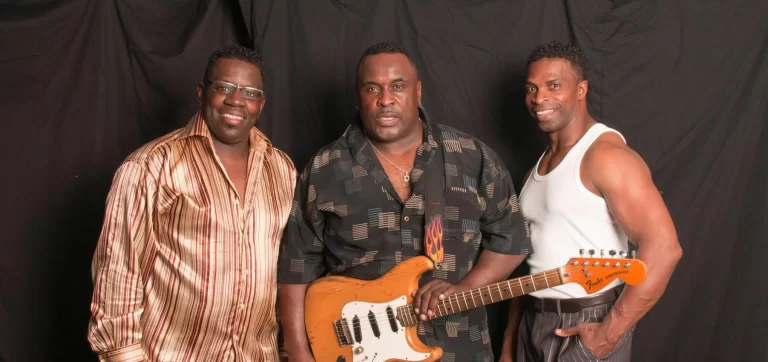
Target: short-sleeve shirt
x,y
347,219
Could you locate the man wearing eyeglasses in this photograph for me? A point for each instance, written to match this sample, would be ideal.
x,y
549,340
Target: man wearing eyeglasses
x,y
185,267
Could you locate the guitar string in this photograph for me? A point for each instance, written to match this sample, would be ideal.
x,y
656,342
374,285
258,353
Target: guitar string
x,y
538,277
476,292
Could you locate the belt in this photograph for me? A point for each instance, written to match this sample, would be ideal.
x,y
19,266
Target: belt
x,y
576,305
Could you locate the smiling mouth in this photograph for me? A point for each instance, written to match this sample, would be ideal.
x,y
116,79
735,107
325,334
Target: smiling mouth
x,y
545,112
232,116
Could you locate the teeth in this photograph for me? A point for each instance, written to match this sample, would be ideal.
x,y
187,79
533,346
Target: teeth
x,y
548,111
231,116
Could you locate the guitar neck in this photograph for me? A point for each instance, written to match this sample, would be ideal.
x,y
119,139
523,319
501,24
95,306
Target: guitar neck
x,y
485,295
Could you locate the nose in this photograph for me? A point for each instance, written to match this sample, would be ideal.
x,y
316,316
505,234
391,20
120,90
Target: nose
x,y
235,99
539,97
385,99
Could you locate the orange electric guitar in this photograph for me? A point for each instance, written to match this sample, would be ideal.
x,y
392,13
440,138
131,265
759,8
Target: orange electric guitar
x,y
352,320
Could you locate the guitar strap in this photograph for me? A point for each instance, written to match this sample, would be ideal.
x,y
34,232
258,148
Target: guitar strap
x,y
435,202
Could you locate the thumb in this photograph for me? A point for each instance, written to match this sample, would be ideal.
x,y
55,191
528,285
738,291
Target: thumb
x,y
567,332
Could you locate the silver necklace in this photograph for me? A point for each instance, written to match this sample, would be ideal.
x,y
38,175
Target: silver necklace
x,y
407,176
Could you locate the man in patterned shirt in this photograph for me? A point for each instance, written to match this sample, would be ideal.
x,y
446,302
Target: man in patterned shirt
x,y
359,209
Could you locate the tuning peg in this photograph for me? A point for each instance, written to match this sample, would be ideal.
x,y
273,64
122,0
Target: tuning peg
x,y
602,252
591,252
581,252
622,253
632,253
612,252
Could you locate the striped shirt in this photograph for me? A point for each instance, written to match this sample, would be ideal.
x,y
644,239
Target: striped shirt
x,y
185,269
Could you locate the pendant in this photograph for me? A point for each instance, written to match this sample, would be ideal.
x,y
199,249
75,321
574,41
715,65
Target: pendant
x,y
406,178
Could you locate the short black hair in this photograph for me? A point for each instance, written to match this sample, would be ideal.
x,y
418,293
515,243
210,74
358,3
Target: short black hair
x,y
238,52
385,48
558,49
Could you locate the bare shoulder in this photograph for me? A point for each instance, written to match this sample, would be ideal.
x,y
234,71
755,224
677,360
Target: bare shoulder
x,y
610,161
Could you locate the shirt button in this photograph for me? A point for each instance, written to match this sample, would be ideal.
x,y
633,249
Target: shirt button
x,y
235,337
236,202
406,218
245,271
242,305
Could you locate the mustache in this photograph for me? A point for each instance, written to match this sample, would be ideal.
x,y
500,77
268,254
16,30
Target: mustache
x,y
387,111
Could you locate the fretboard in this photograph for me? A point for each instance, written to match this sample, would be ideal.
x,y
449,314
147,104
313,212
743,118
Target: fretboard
x,y
478,297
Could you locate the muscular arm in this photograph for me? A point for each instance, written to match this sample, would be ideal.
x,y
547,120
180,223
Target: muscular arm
x,y
301,245
291,298
491,267
505,242
622,178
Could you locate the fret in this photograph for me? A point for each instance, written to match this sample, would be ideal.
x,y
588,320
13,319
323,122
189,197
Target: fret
x,y
449,307
465,300
489,293
482,302
458,305
509,287
545,279
532,282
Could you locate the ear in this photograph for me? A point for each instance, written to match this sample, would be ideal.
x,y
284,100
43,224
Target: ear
x,y
200,90
582,88
418,91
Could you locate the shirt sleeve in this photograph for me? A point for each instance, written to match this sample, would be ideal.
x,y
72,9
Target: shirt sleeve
x,y
118,297
302,246
502,224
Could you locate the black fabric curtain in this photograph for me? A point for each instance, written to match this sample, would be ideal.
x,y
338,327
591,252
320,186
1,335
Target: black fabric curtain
x,y
85,82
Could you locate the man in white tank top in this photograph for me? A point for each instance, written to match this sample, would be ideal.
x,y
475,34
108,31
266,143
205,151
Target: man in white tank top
x,y
588,191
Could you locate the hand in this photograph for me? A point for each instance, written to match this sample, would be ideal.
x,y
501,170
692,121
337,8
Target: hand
x,y
426,298
506,358
300,357
593,335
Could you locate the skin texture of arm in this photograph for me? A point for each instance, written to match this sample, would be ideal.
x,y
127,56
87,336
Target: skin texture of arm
x,y
292,320
618,174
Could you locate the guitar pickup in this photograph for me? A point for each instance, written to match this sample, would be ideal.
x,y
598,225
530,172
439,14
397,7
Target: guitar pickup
x,y
342,332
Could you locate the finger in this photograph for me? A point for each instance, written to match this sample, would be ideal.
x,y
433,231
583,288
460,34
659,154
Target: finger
x,y
426,299
567,332
417,298
438,296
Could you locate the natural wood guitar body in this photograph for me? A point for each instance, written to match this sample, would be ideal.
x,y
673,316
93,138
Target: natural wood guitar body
x,y
353,320
333,292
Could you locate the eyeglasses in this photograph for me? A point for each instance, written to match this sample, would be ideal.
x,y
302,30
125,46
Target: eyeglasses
x,y
222,87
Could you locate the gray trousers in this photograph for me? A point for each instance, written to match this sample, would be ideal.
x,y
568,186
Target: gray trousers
x,y
537,341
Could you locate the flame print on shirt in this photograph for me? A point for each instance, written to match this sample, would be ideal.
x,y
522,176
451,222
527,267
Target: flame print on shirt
x,y
433,239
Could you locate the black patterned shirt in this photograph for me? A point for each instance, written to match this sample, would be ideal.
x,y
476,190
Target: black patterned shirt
x,y
348,220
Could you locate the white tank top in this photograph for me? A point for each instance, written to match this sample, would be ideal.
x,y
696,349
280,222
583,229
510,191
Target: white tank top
x,y
564,217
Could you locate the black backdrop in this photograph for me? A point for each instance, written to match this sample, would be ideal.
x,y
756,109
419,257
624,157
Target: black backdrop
x,y
84,82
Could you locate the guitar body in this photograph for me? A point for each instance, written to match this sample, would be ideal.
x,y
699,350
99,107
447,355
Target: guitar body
x,y
353,320
338,312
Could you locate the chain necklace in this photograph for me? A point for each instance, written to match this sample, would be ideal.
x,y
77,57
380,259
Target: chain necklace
x,y
407,176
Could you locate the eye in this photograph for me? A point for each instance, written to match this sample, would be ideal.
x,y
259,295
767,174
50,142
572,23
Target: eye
x,y
555,85
372,89
530,89
398,86
223,88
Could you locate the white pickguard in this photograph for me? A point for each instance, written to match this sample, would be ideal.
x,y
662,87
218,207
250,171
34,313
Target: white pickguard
x,y
389,344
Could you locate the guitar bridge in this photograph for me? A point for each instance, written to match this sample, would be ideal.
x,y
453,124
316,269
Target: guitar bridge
x,y
342,332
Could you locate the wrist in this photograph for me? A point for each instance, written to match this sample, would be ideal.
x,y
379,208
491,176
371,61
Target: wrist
x,y
614,326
